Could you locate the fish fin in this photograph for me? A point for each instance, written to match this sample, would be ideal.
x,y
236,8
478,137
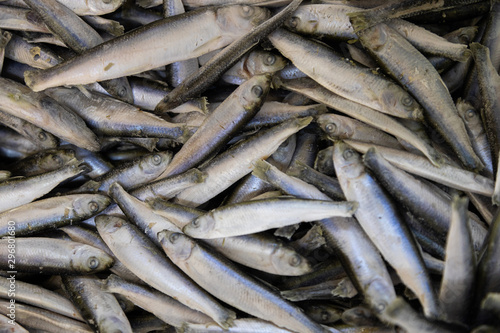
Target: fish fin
x,y
84,91
209,46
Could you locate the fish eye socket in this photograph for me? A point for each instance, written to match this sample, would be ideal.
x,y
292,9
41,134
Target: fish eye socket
x,y
331,128
270,60
407,101
348,154
295,261
470,114
247,11
156,159
325,315
195,223
57,159
257,91
464,39
122,92
173,238
381,307
42,136
93,262
93,206
293,22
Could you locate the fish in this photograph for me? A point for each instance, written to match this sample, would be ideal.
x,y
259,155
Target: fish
x,y
145,260
196,261
236,219
417,74
54,256
100,310
214,30
379,93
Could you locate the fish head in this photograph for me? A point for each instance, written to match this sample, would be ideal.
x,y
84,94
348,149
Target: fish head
x,y
90,204
347,162
57,158
379,294
376,36
255,91
260,62
200,226
88,259
335,126
468,113
155,163
289,262
401,103
108,224
114,323
239,19
176,245
324,160
104,6
303,21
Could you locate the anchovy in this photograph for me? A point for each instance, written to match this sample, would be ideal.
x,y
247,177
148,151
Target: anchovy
x,y
457,283
35,318
259,215
101,310
380,93
39,109
213,30
17,192
141,256
398,246
52,213
161,305
213,69
221,124
409,67
231,285
54,256
239,160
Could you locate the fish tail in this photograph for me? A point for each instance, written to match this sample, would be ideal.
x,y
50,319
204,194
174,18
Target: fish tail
x,y
226,319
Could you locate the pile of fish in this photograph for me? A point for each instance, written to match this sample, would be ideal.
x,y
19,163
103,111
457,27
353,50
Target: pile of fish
x,y
249,166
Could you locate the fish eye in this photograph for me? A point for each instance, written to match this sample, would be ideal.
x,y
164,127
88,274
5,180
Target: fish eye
x,y
381,307
57,159
122,92
295,261
173,237
195,223
270,60
156,159
293,22
325,315
331,128
464,39
107,1
42,136
470,113
407,101
257,90
93,262
247,11
348,154
93,206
